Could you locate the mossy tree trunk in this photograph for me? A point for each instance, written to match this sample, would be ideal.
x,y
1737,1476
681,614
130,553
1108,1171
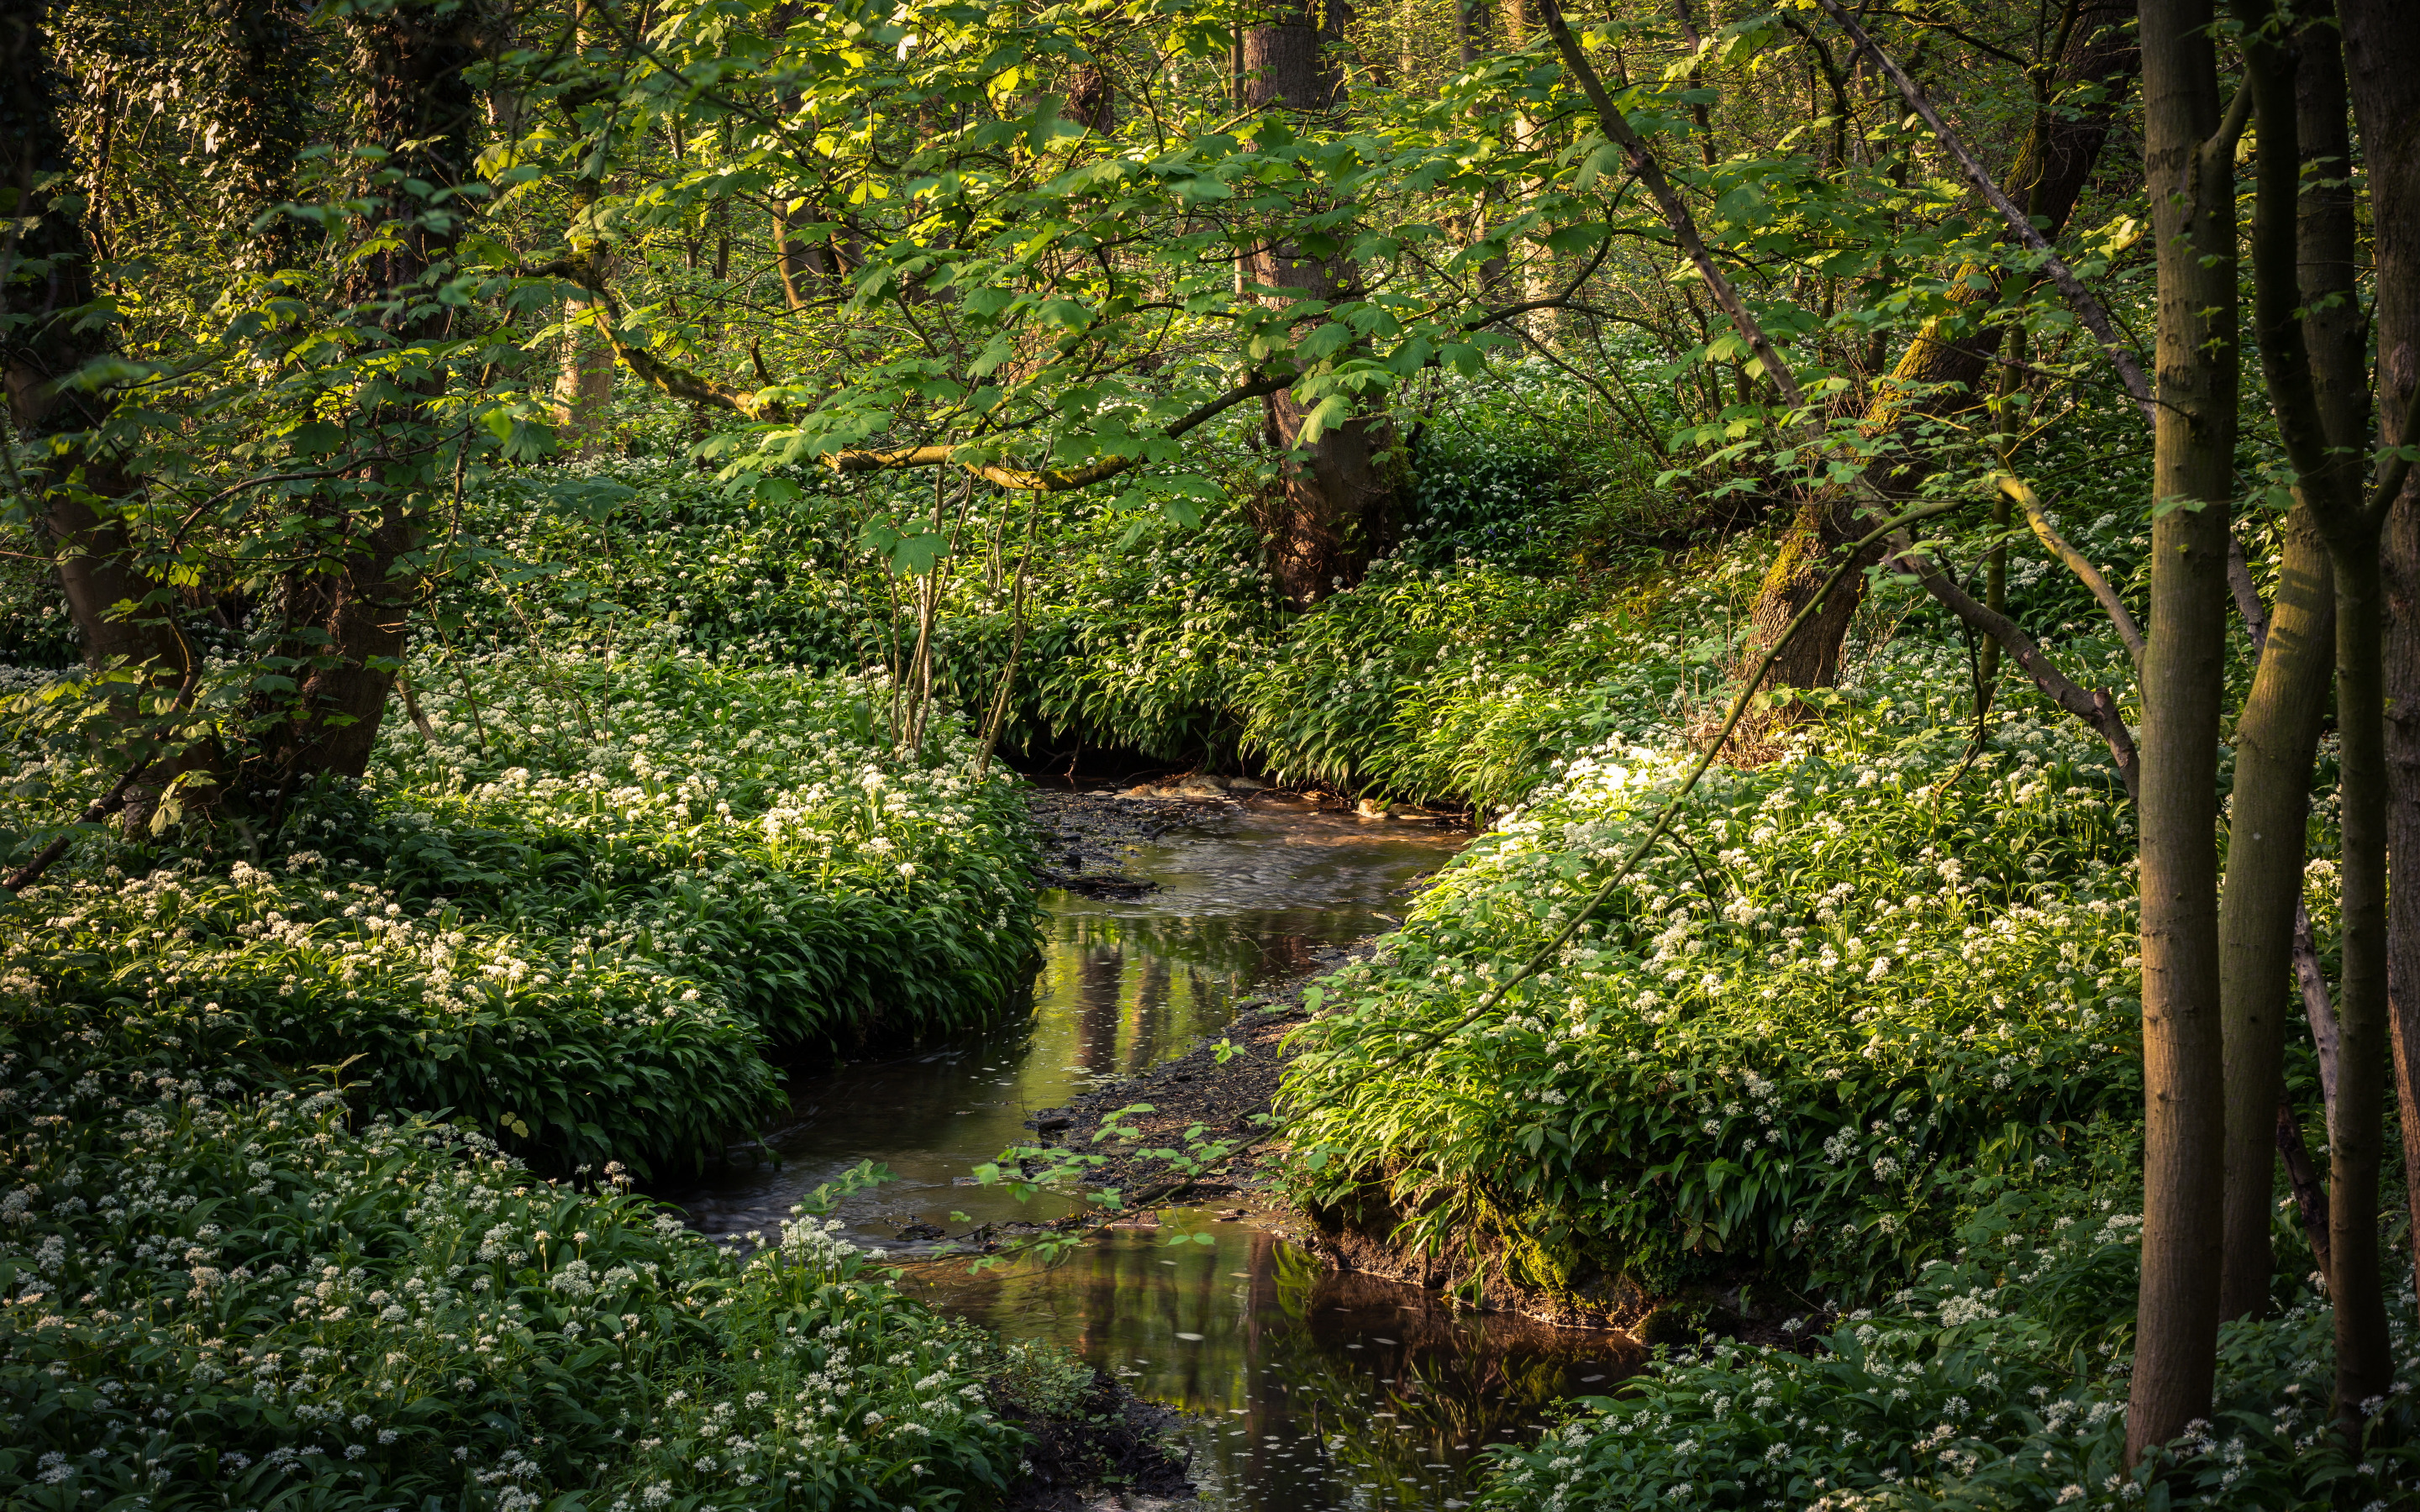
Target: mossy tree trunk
x,y
344,618
125,618
2277,731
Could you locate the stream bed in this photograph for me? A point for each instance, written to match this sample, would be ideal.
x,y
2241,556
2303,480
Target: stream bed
x,y
1305,1389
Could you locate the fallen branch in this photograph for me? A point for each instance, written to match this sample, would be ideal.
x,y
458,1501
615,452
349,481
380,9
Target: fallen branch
x,y
95,812
2094,707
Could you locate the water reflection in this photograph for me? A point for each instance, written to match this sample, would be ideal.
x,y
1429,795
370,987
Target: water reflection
x,y
1312,1389
1247,896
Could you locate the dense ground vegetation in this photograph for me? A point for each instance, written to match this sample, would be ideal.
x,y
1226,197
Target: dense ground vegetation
x,y
534,534
274,1225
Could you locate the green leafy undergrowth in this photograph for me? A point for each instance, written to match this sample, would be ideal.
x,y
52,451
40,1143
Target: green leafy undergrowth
x,y
752,829
1849,979
209,1299
584,945
558,1049
1999,1380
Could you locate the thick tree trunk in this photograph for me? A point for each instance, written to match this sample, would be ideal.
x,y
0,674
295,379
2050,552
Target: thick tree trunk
x,y
2279,732
1943,370
122,615
1334,508
409,62
2381,45
2176,1340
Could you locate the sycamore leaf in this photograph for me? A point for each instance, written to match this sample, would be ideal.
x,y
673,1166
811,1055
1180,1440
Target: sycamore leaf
x,y
1333,410
1595,166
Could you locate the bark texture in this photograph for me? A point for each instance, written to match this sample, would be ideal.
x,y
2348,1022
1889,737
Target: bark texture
x,y
2278,732
1334,508
2382,49
2184,1112
347,616
2276,736
122,614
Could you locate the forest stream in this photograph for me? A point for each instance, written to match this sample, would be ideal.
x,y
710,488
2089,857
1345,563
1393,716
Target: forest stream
x,y
1301,1388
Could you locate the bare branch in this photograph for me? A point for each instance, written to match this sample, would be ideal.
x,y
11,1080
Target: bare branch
x,y
2078,564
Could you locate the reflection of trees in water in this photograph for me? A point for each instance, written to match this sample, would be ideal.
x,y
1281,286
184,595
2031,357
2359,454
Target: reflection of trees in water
x,y
1241,947
1449,1379
1275,1327
1097,973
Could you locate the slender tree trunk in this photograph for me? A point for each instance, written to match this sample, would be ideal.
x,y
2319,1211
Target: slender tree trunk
x,y
1944,368
2356,1123
2382,46
1334,510
585,386
122,616
2193,200
2276,738
2331,471
2278,733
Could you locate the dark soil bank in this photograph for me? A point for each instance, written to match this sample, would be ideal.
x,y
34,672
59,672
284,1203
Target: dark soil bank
x,y
1114,1451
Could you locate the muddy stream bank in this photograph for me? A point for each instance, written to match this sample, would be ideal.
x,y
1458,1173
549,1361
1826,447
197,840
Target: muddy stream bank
x,y
1300,1388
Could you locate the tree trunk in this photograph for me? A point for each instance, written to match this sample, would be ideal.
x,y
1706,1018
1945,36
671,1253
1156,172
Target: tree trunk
x,y
585,387
2381,47
1943,369
122,615
2331,473
346,622
2276,738
2279,732
1334,507
2193,202
263,53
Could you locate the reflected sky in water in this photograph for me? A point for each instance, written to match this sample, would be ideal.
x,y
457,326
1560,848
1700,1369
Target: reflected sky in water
x,y
1315,1390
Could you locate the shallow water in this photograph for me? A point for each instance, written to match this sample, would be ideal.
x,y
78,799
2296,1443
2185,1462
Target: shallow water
x,y
1315,1390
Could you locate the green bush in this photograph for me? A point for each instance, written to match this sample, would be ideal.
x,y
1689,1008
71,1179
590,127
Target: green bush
x,y
577,913
1851,977
561,1052
751,830
1999,1380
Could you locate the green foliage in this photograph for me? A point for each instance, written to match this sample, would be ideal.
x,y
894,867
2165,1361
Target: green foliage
x,y
213,1298
561,1052
1853,977
589,964
749,829
1996,1380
